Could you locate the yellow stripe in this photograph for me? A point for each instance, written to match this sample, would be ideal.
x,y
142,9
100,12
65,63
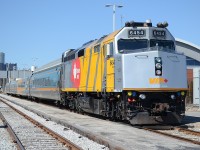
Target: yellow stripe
x,y
69,89
155,89
110,37
19,89
46,89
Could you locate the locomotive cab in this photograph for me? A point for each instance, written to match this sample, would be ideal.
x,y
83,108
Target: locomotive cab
x,y
150,73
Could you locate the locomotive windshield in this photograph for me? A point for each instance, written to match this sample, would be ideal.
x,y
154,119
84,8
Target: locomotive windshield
x,y
162,43
136,44
132,44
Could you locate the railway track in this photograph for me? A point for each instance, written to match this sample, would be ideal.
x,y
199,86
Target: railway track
x,y
12,133
7,140
187,131
179,133
29,133
134,134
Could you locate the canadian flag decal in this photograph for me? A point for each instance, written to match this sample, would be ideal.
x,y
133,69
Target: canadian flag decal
x,y
75,73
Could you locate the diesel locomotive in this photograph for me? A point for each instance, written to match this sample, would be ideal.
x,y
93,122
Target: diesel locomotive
x,y
133,74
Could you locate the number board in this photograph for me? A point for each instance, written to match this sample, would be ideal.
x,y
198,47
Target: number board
x,y
133,33
159,33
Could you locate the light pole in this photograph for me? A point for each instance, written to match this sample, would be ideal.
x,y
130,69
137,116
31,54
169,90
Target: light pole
x,y
122,21
114,8
34,60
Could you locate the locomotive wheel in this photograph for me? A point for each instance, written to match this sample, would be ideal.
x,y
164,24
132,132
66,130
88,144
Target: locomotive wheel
x,y
37,100
59,105
113,116
78,107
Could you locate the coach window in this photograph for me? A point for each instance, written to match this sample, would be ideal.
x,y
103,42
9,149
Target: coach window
x,y
81,53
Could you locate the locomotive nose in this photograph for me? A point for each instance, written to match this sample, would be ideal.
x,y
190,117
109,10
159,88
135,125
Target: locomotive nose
x,y
155,69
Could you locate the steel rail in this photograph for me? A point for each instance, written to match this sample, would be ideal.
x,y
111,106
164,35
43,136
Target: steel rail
x,y
187,131
12,133
173,136
63,140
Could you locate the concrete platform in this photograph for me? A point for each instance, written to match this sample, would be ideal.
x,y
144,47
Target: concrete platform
x,y
118,135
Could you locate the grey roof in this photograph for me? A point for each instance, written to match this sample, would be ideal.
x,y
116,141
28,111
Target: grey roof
x,y
189,49
49,65
188,43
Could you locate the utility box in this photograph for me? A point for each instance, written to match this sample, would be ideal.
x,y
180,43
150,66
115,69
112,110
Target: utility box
x,y
196,86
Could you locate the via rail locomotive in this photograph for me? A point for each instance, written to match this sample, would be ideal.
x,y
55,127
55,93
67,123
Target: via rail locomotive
x,y
132,74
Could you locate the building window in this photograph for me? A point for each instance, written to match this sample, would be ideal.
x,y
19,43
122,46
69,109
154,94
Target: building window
x,y
192,62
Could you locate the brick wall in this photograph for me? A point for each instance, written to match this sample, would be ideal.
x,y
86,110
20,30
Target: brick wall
x,y
189,98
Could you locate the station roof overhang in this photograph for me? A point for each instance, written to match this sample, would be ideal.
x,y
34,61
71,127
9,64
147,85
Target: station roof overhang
x,y
189,49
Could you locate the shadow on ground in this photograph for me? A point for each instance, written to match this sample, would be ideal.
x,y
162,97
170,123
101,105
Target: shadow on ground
x,y
190,119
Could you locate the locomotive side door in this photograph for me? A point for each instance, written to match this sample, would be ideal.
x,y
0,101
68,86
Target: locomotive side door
x,y
62,75
110,65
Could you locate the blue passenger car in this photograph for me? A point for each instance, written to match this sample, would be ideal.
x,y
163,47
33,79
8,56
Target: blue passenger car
x,y
22,87
11,88
44,83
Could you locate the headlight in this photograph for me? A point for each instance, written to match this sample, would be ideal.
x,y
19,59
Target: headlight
x,y
134,94
173,96
129,93
142,96
182,93
158,72
158,65
158,59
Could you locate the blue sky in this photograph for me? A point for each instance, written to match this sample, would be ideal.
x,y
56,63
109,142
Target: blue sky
x,y
39,31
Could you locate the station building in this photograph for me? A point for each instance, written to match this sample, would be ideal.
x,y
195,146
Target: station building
x,y
9,71
6,66
192,53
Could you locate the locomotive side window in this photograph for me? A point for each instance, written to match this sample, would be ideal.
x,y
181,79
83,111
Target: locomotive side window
x,y
81,53
97,49
108,47
111,48
162,43
70,57
104,50
132,44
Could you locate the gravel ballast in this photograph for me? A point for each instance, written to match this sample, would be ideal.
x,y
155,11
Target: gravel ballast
x,y
6,142
67,133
